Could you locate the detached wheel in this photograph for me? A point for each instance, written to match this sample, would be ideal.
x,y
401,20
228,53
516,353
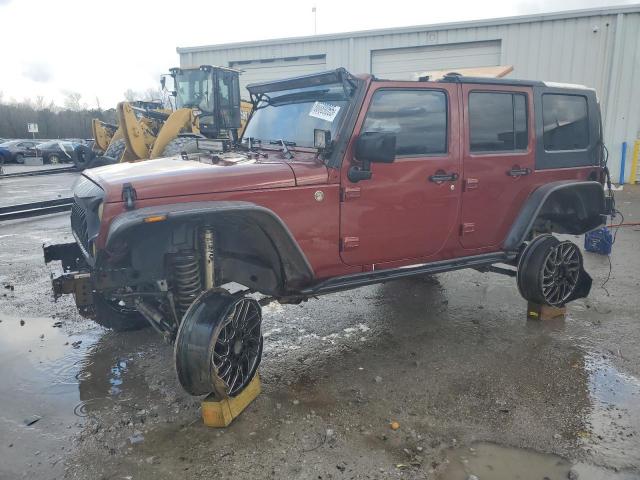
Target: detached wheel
x,y
82,157
219,344
550,272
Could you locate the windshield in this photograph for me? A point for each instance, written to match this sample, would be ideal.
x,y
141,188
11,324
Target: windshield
x,y
292,115
194,90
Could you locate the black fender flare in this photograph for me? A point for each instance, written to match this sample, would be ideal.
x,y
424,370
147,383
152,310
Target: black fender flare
x,y
295,269
590,195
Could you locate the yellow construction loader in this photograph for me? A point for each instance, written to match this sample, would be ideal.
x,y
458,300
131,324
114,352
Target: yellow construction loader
x,y
206,104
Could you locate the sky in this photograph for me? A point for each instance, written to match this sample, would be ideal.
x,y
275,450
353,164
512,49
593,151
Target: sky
x,y
102,48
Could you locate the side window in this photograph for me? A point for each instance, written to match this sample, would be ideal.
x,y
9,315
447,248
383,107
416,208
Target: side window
x,y
418,118
566,123
225,90
497,121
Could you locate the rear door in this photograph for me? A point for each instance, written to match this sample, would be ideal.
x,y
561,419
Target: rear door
x,y
498,161
401,214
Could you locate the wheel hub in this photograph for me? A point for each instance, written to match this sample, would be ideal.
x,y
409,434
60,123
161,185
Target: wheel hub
x,y
237,347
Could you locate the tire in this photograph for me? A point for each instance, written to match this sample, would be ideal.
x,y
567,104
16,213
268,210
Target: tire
x,y
219,344
550,272
53,159
19,158
179,145
82,157
116,149
119,319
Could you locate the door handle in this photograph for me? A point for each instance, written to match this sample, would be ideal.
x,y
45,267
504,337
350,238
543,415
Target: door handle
x,y
516,171
441,176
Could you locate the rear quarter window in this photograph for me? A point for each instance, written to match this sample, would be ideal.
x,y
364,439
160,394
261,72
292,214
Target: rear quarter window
x,y
566,122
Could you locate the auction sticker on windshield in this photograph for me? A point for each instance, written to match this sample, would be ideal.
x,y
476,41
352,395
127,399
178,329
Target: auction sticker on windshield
x,y
324,111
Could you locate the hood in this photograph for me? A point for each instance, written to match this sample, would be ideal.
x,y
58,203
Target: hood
x,y
170,177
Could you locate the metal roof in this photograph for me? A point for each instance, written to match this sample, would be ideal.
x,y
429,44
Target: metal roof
x,y
562,15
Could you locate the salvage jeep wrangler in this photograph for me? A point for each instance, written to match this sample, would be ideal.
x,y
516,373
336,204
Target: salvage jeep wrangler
x,y
339,181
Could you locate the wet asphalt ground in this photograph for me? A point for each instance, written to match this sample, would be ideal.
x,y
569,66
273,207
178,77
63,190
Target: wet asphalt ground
x,y
473,387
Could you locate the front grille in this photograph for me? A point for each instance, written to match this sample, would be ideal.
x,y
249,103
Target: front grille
x,y
79,226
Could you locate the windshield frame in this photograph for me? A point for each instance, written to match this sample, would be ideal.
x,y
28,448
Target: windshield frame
x,y
306,97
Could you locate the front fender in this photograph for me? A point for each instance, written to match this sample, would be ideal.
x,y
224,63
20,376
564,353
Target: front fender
x,y
248,233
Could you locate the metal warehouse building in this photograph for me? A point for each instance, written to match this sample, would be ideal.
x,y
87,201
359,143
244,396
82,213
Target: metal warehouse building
x,y
599,48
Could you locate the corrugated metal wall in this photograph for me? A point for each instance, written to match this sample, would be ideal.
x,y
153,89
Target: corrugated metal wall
x,y
599,49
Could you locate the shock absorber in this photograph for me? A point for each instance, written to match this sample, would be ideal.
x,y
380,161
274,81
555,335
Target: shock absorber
x,y
207,245
187,278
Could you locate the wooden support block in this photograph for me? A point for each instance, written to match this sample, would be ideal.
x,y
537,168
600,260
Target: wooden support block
x,y
544,312
220,413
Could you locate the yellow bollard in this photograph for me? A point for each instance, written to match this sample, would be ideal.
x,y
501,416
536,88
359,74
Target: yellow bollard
x,y
634,162
220,413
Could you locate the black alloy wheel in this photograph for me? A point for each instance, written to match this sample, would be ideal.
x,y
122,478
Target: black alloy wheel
x,y
550,271
219,344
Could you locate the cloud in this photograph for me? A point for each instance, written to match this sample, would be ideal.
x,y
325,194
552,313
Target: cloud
x,y
4,2
37,71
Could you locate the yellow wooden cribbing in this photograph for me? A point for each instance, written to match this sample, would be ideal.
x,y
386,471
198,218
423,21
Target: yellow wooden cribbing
x,y
634,162
220,413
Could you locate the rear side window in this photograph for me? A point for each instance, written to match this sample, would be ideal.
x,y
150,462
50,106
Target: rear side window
x,y
498,121
418,118
566,123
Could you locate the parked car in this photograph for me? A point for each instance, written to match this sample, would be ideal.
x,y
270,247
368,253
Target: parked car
x,y
56,151
5,155
341,181
19,149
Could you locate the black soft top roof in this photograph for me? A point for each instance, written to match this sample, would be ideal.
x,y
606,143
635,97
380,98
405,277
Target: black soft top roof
x,y
341,75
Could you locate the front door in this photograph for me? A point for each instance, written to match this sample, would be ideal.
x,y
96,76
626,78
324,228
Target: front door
x,y
499,162
408,209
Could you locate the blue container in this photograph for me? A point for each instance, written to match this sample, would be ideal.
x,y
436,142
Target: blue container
x,y
599,241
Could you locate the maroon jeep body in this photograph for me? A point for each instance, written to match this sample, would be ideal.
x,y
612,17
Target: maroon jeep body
x,y
340,181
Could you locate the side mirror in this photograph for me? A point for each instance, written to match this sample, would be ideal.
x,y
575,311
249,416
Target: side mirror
x,y
376,147
321,138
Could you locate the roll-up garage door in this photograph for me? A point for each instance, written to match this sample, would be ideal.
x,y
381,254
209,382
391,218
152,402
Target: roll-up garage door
x,y
407,63
274,69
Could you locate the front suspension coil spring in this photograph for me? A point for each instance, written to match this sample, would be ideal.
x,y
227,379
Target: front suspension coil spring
x,y
187,279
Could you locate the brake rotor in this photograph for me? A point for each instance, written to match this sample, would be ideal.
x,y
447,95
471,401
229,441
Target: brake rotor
x,y
219,344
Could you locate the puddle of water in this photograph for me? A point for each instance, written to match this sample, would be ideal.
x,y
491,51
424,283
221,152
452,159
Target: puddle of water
x,y
38,367
42,374
613,425
488,461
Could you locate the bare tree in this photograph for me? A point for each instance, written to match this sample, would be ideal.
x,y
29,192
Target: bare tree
x,y
72,101
39,103
130,95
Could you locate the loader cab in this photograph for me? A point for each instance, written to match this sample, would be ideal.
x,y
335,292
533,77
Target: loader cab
x,y
213,92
